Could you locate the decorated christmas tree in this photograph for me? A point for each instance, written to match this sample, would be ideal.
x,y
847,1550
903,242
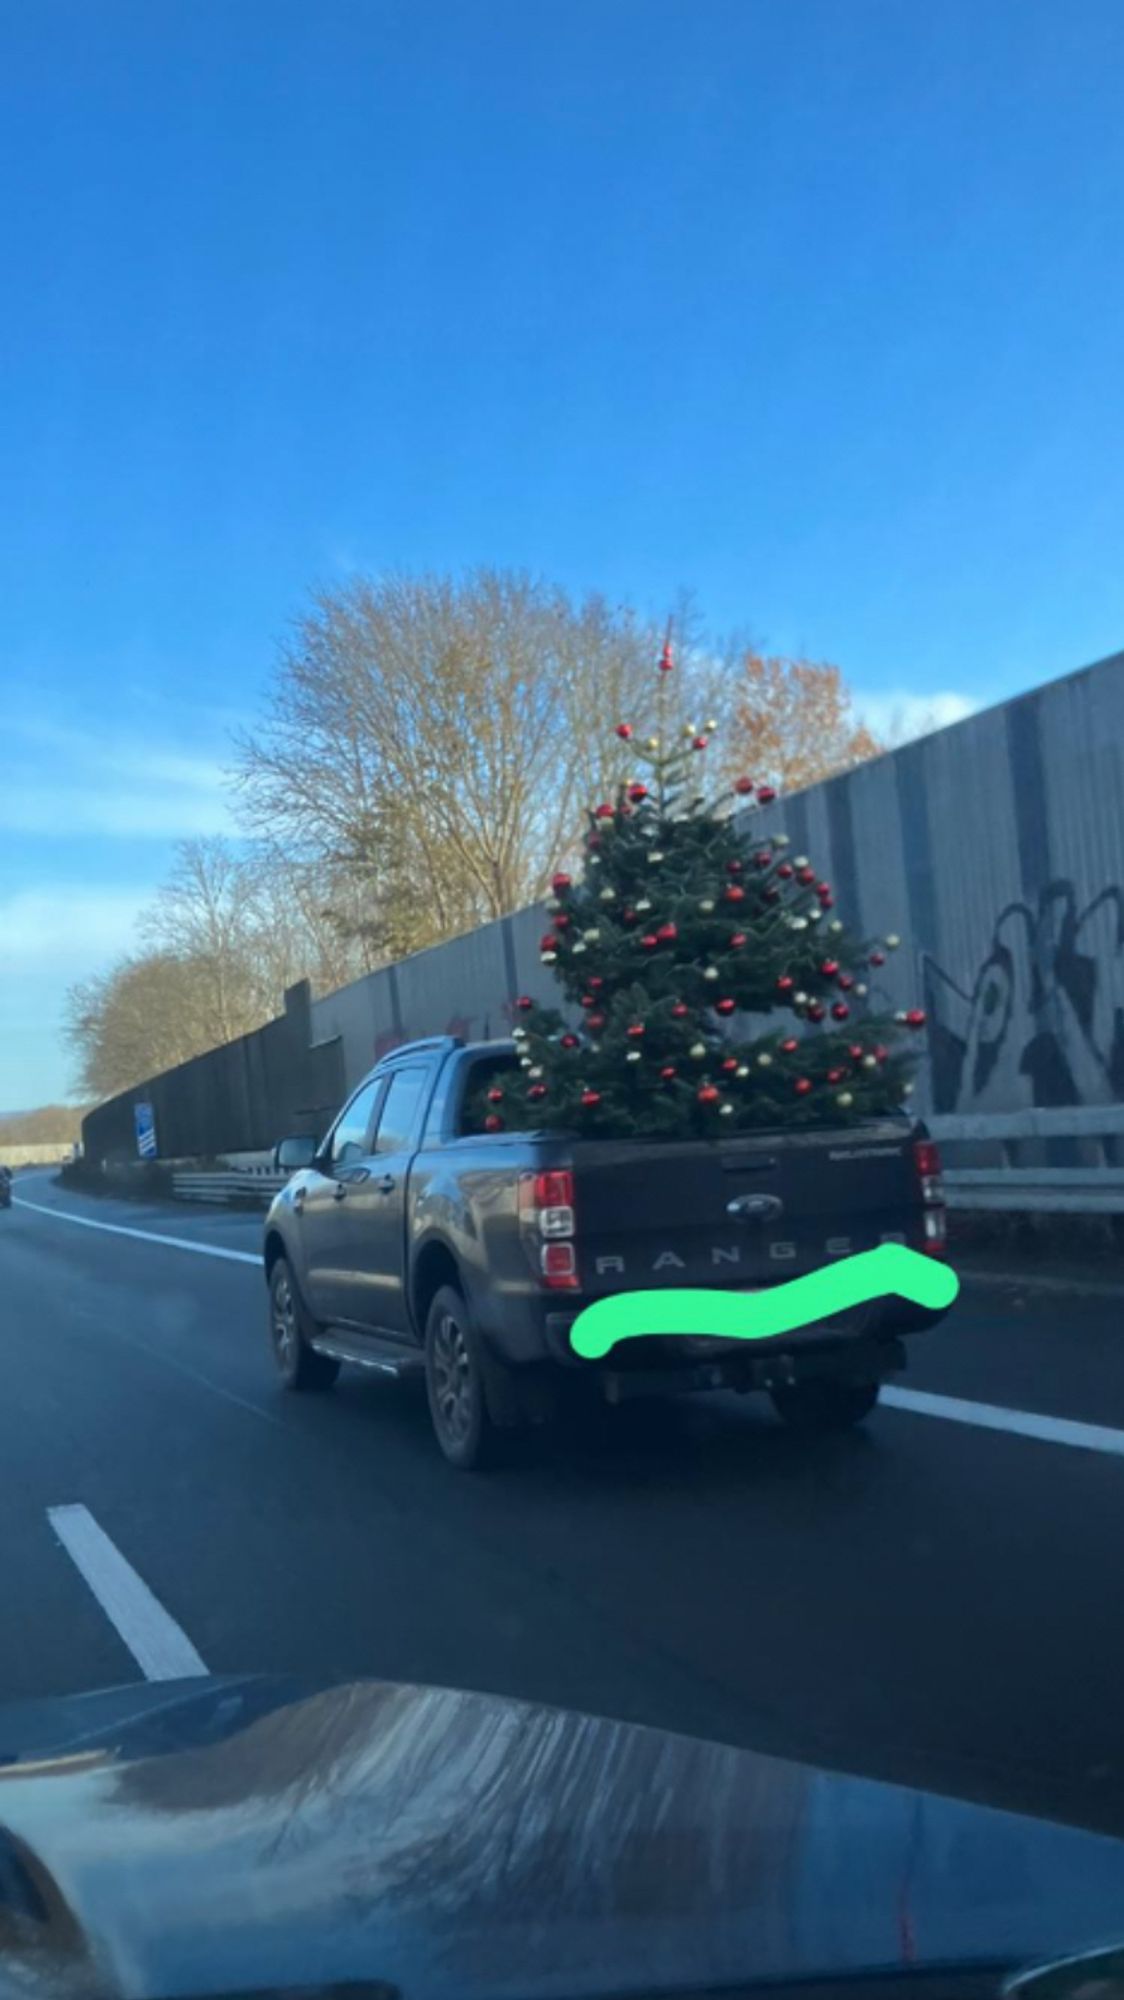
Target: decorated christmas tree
x,y
680,926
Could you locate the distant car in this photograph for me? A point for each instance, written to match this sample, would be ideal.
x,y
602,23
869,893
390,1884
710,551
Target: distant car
x,y
407,1240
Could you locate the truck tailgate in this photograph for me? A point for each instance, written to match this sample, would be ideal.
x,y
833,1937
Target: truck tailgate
x,y
751,1212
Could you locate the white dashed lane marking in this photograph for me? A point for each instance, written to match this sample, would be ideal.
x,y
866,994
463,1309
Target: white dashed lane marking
x,y
161,1650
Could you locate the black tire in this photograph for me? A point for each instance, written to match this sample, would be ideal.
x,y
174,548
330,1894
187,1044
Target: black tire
x,y
824,1405
455,1384
298,1364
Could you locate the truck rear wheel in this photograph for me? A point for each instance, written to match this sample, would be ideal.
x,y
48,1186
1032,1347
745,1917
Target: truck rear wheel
x,y
298,1364
824,1405
455,1383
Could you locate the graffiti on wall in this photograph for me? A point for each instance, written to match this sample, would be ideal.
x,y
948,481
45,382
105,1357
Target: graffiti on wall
x,y
1043,1023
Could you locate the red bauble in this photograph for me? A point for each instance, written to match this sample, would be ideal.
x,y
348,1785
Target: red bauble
x,y
880,1054
802,1086
595,984
840,1010
537,1090
667,933
588,1000
845,982
730,1065
878,958
492,1123
699,743
823,889
785,871
761,859
548,941
495,1097
637,792
666,661
836,1075
708,1094
855,1051
568,1042
827,902
590,1097
743,786
624,731
604,812
524,1002
724,1006
790,1045
785,983
559,882
635,1029
815,1011
737,941
829,968
735,893
649,941
733,867
805,874
561,921
765,795
628,916
680,1010
667,1072
915,1017
595,1023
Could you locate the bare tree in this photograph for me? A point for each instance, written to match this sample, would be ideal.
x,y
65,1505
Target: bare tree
x,y
434,740
144,1015
791,722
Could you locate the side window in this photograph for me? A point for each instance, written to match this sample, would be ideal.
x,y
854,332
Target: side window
x,y
349,1140
399,1116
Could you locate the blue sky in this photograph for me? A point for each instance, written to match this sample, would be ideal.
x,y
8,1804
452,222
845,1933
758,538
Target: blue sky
x,y
814,309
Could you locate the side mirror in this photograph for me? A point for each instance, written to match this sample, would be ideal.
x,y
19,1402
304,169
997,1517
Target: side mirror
x,y
290,1155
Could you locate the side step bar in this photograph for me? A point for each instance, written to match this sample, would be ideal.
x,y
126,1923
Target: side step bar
x,y
389,1358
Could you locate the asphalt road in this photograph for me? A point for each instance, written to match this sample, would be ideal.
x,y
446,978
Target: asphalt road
x,y
930,1600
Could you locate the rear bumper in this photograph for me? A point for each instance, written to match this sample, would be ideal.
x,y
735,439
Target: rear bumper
x,y
844,1361
868,1353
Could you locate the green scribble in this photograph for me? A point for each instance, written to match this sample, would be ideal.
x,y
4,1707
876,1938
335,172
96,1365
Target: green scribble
x,y
871,1274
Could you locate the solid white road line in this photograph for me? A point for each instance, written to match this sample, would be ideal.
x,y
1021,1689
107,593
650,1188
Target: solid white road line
x,y
142,1235
952,1409
161,1650
1021,1423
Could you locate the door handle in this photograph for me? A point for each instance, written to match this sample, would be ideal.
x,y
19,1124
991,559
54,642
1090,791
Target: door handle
x,y
387,1184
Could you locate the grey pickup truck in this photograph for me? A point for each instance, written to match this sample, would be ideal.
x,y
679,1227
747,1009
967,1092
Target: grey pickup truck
x,y
405,1239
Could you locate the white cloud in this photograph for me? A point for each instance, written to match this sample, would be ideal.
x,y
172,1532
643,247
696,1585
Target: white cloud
x,y
68,925
61,782
897,717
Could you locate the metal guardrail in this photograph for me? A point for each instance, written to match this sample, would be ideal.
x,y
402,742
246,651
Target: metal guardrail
x,y
229,1189
1096,1188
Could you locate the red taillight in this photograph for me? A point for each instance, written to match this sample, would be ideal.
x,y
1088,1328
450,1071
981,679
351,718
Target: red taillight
x,y
559,1267
927,1162
546,1209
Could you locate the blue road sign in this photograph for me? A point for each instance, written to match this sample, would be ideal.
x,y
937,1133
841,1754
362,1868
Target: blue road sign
x,y
144,1123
